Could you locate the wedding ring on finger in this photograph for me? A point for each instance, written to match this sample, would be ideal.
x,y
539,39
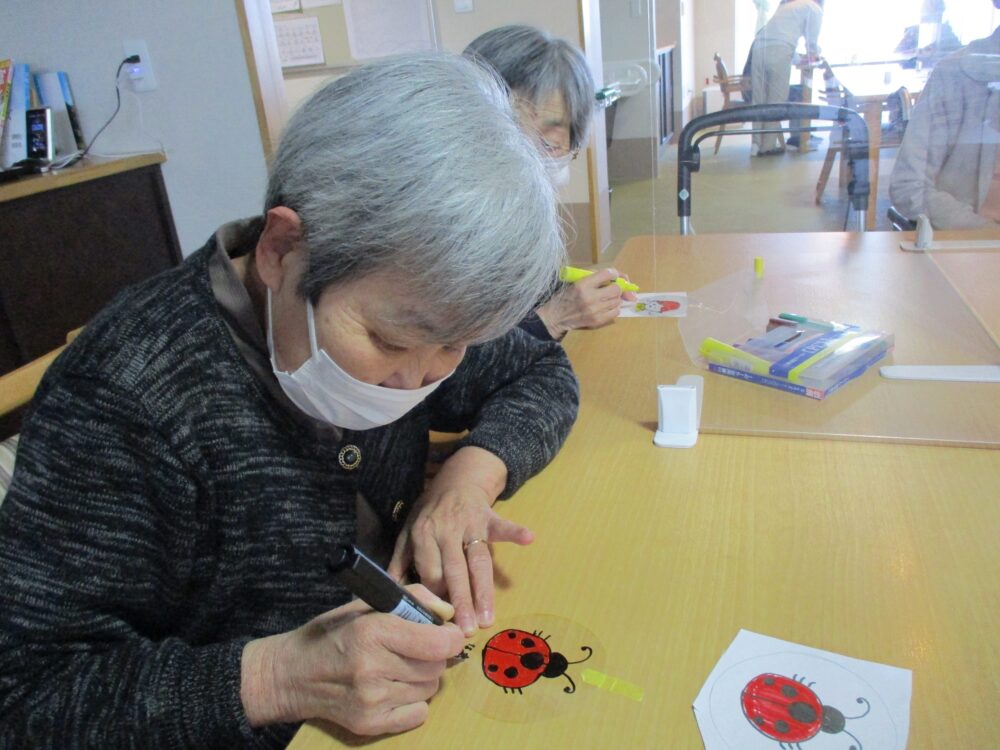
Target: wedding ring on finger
x,y
465,547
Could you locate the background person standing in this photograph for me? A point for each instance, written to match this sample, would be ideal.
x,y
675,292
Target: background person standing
x,y
771,60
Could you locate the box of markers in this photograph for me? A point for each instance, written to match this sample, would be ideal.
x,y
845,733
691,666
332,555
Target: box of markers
x,y
801,355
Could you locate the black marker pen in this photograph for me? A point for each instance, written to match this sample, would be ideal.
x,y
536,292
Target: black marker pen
x,y
375,587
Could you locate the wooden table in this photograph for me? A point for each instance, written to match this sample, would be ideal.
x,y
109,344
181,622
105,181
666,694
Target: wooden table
x,y
881,550
869,86
973,273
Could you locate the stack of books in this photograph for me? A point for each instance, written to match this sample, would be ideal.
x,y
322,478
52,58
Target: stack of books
x,y
21,91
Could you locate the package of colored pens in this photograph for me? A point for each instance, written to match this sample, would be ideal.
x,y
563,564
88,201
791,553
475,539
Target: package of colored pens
x,y
798,354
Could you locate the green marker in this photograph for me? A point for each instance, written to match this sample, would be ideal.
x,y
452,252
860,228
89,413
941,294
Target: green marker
x,y
820,324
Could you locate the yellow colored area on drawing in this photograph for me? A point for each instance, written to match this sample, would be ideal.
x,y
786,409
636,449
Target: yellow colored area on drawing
x,y
612,684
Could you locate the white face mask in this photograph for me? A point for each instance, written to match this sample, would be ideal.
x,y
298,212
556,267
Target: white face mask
x,y
325,392
558,169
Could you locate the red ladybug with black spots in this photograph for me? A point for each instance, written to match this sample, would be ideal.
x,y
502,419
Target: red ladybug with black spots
x,y
787,710
514,659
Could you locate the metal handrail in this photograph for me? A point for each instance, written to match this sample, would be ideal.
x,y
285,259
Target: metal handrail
x,y
855,145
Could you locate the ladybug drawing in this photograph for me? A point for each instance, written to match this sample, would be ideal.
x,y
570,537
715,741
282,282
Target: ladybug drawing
x,y
787,710
514,659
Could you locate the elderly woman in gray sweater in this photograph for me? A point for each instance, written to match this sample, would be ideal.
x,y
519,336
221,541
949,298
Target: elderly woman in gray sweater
x,y
947,165
553,91
197,453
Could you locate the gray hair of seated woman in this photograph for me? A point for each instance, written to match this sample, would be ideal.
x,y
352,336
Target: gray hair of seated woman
x,y
536,65
416,166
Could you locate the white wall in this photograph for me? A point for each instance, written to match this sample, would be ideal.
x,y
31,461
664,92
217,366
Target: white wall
x,y
455,30
560,18
745,27
627,41
202,112
714,23
688,54
675,25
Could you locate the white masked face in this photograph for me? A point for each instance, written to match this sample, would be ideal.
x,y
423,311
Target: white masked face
x,y
550,123
384,364
558,169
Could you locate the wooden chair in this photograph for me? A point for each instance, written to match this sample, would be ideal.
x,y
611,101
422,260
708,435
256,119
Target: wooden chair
x,y
17,387
898,104
730,85
900,222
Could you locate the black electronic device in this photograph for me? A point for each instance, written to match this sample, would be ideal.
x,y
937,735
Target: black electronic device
x,y
22,169
40,136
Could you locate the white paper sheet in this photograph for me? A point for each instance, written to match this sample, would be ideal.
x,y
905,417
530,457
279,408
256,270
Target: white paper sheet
x,y
874,699
299,41
378,28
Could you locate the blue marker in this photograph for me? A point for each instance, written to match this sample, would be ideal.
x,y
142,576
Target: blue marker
x,y
375,587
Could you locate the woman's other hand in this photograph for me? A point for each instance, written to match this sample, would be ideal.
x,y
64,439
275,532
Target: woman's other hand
x,y
448,533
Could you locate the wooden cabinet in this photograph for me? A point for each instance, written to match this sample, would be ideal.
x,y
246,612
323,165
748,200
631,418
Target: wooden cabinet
x,y
70,241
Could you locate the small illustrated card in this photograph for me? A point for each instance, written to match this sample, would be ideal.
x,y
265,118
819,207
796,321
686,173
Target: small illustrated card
x,y
655,305
769,694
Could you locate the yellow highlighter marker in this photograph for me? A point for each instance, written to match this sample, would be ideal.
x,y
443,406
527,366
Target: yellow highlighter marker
x,y
729,356
613,685
572,275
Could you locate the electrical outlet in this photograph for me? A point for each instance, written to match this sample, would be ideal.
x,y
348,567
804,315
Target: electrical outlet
x,y
140,74
463,6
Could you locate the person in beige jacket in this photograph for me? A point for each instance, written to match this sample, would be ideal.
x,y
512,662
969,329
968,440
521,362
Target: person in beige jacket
x,y
771,60
947,165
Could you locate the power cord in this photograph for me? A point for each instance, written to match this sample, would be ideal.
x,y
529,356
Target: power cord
x,y
73,159
130,60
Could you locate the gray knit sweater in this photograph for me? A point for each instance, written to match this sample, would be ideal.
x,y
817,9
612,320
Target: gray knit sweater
x,y
166,508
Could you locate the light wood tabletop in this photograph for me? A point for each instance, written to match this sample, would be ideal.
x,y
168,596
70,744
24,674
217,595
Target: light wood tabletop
x,y
974,273
881,550
861,278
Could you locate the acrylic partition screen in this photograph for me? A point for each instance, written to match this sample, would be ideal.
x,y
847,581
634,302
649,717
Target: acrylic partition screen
x,y
852,278
744,206
805,186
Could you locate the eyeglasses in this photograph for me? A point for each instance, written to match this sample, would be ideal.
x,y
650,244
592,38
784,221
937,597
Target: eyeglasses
x,y
558,152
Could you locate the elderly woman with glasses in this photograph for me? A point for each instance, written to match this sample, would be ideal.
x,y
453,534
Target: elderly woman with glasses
x,y
194,458
553,92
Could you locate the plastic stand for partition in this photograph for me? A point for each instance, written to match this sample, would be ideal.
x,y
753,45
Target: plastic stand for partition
x,y
925,243
957,373
679,412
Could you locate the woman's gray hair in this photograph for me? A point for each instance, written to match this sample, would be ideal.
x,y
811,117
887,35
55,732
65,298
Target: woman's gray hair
x,y
416,166
535,65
